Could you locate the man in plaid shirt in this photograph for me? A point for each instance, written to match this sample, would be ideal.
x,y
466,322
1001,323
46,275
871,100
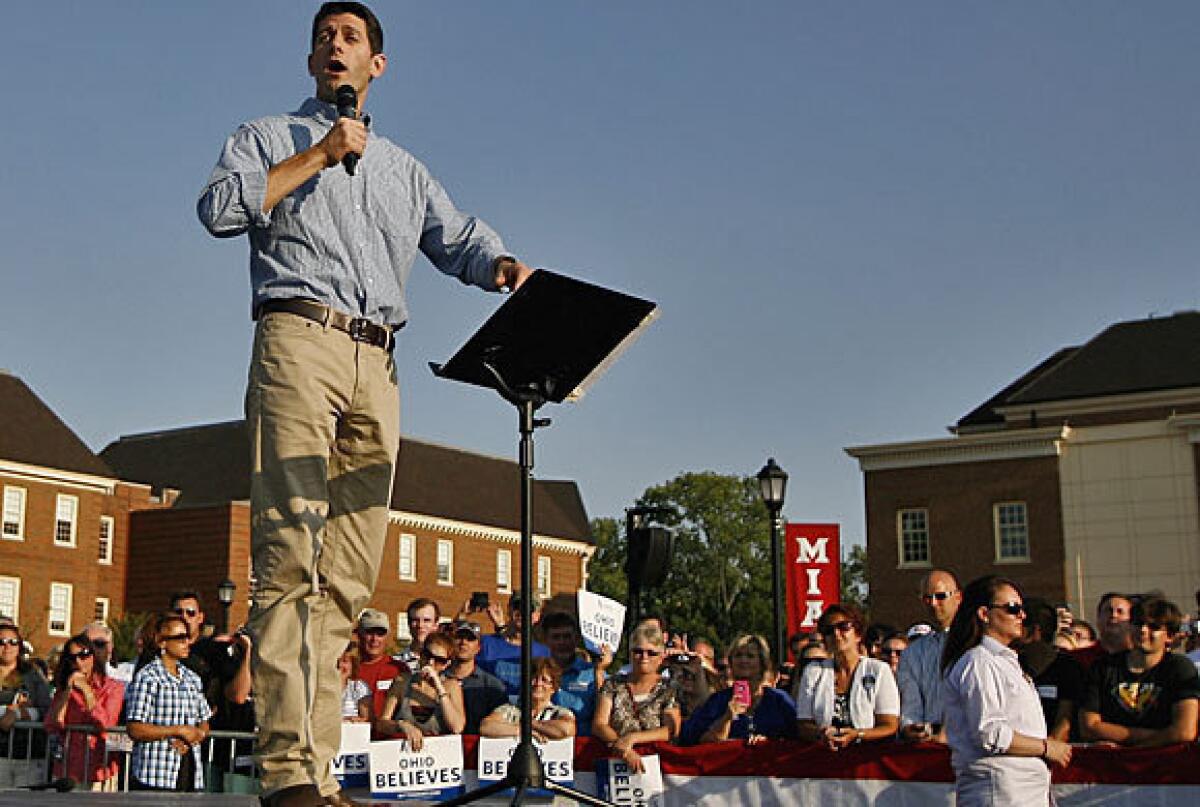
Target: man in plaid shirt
x,y
167,716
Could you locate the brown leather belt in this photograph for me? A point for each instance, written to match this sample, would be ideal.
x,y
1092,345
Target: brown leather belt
x,y
359,329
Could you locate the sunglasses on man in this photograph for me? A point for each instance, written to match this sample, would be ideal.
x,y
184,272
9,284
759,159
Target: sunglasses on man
x,y
940,596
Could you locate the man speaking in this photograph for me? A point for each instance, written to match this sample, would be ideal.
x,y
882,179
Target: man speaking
x,y
335,215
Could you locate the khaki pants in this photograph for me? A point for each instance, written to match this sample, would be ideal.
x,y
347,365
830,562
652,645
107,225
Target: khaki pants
x,y
323,414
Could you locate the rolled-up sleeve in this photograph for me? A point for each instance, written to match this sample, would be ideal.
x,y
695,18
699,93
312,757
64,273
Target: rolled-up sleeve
x,y
459,245
232,201
982,688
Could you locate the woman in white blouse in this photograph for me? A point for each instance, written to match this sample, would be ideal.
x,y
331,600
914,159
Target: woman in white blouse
x,y
850,697
994,721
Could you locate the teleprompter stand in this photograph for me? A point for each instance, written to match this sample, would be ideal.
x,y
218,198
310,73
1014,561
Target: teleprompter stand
x,y
547,343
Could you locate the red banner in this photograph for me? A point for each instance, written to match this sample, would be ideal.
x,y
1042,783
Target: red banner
x,y
814,572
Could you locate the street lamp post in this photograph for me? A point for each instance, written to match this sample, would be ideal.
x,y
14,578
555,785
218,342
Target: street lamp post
x,y
225,593
772,483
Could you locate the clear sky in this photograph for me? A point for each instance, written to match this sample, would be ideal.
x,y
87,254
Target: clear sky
x,y
860,219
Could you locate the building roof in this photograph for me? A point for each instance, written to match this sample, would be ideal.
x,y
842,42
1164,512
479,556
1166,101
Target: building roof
x,y
211,464
1140,356
985,416
31,434
1147,355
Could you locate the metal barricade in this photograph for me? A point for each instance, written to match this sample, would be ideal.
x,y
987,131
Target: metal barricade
x,y
24,756
225,759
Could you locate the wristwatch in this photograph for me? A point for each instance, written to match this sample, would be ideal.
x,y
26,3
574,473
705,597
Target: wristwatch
x,y
858,738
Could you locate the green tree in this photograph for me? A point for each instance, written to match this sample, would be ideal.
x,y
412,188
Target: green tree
x,y
719,584
125,628
606,571
855,589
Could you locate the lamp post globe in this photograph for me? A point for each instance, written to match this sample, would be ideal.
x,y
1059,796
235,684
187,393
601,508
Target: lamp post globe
x,y
225,593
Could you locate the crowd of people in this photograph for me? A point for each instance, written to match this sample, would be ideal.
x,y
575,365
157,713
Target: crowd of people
x,y
1007,682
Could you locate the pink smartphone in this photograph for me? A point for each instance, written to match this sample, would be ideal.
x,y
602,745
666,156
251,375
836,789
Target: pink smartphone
x,y
741,692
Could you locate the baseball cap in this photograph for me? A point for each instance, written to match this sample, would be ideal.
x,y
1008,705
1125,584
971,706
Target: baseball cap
x,y
465,625
919,629
371,619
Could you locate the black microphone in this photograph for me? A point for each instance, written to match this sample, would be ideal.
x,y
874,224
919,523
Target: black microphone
x,y
347,107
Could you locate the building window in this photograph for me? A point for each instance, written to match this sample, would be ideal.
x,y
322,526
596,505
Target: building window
x,y
1011,521
101,612
408,556
445,562
543,576
14,514
504,570
913,529
64,520
10,598
60,609
106,539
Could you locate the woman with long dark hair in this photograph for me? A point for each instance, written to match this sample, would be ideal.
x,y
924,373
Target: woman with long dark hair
x,y
84,695
994,721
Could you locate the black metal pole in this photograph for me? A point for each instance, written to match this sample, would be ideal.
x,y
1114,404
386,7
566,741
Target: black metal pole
x,y
526,450
777,602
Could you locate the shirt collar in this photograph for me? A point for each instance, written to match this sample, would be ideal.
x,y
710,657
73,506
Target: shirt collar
x,y
316,108
997,649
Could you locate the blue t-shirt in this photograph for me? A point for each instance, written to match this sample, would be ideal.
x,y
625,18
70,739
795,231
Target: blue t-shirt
x,y
577,692
774,717
503,660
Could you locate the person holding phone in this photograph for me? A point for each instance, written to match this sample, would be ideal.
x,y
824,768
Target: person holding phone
x,y
760,712
427,703
639,706
24,695
994,721
849,698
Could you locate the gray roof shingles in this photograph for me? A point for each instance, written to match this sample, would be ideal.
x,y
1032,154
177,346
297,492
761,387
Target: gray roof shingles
x,y
210,464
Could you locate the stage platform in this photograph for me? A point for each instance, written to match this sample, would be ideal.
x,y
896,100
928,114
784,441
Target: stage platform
x,y
81,798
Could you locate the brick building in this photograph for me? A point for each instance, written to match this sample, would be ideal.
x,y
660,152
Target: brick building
x,y
84,536
1077,478
64,532
454,523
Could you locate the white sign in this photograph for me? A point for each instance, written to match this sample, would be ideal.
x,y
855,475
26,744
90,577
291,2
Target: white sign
x,y
558,758
434,772
601,621
350,766
621,786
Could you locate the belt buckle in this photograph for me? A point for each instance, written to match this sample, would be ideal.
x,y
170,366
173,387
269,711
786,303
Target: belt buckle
x,y
358,329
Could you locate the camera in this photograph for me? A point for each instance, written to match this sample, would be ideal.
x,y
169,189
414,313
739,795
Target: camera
x,y
682,658
479,601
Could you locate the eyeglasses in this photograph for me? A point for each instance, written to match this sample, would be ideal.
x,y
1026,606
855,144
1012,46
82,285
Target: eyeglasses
x,y
1012,608
174,637
466,636
940,596
892,651
437,659
187,611
10,642
646,651
100,642
842,627
82,654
